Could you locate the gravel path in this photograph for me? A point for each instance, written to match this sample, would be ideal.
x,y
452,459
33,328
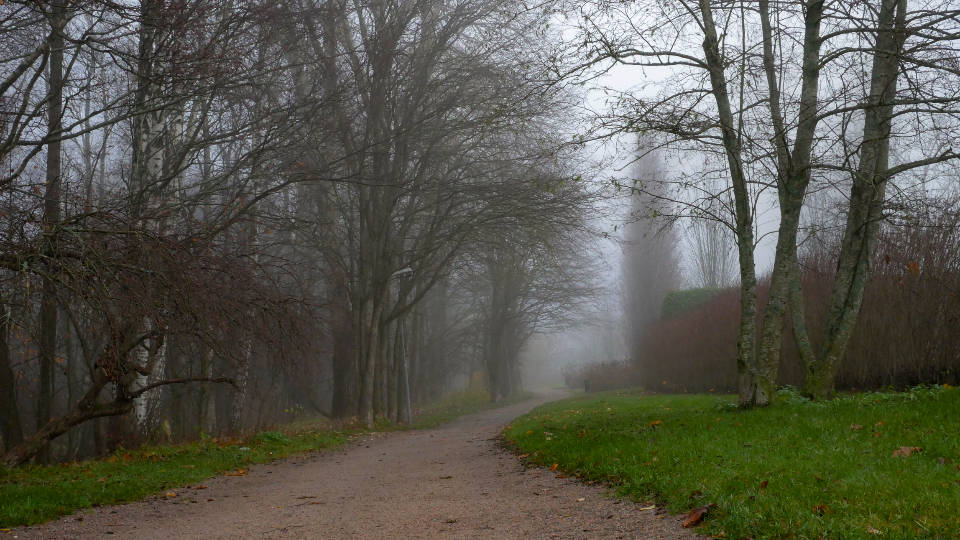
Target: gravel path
x,y
449,482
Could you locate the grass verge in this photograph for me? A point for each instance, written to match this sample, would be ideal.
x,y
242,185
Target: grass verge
x,y
848,468
32,494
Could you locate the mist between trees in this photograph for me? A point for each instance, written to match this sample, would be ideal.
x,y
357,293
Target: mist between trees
x,y
841,116
219,215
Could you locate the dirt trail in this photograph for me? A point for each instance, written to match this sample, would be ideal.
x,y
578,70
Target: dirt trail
x,y
449,482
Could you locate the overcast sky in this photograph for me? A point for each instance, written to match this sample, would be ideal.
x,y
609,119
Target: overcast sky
x,y
624,78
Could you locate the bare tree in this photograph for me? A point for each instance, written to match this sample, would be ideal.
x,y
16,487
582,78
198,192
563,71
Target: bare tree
x,y
534,277
223,194
790,131
712,252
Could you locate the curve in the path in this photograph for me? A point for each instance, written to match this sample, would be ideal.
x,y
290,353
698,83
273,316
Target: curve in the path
x,y
450,482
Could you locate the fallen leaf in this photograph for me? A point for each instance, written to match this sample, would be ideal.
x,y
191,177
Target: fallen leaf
x,y
877,434
581,499
906,451
763,485
880,423
554,466
238,472
645,508
856,427
696,516
170,494
656,423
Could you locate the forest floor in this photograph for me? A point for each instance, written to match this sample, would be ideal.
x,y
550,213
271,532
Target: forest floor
x,y
453,481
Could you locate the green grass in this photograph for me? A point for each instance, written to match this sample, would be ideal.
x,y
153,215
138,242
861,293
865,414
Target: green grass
x,y
32,494
794,470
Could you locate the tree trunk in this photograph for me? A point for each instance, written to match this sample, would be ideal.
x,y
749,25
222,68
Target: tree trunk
x,y
798,318
369,347
793,176
85,410
404,412
10,428
391,355
70,370
491,364
243,382
152,355
771,333
344,366
414,352
51,216
752,391
208,399
867,196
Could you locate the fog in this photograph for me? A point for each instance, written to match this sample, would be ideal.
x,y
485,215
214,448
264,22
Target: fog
x,y
231,217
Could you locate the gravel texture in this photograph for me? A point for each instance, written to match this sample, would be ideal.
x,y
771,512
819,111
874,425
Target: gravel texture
x,y
451,482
